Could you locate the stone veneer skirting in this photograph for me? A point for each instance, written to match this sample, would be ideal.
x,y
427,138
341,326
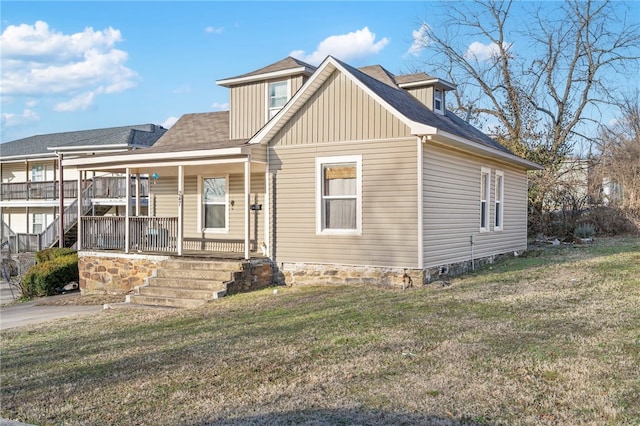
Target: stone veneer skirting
x,y
115,273
317,274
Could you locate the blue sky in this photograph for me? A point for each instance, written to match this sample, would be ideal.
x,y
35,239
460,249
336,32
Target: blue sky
x,y
80,65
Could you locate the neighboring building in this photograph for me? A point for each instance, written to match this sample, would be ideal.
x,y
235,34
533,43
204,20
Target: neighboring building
x,y
30,201
332,174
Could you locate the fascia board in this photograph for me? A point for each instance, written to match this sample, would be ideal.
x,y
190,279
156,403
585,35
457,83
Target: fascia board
x,y
145,157
449,86
266,76
89,148
492,152
19,158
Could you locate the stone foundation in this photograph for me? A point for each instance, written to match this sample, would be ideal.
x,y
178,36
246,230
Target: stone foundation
x,y
317,274
115,273
255,274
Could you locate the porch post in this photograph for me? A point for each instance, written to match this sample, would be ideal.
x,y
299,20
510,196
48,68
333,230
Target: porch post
x,y
61,198
247,208
180,208
81,175
127,208
137,194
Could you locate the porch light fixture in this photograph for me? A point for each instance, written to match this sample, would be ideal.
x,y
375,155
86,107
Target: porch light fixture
x,y
155,177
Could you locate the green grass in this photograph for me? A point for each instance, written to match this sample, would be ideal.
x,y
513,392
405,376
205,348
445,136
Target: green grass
x,y
549,338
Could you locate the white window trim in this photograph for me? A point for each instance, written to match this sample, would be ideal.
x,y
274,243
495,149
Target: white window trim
x,y
435,108
320,161
499,204
200,223
487,210
268,98
39,171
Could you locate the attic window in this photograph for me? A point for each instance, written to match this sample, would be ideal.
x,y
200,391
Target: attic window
x,y
437,100
278,96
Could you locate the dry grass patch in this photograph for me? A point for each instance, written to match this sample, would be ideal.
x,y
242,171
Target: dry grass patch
x,y
547,339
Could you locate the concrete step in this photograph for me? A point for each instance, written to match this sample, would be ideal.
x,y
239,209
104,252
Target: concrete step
x,y
165,301
223,265
191,283
203,274
180,293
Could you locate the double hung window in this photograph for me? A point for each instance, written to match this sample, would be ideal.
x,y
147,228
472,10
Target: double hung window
x,y
438,100
485,193
339,204
278,96
215,198
498,203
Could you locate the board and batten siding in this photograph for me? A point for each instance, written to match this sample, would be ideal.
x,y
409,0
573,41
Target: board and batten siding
x,y
340,111
451,198
389,206
423,94
164,201
248,107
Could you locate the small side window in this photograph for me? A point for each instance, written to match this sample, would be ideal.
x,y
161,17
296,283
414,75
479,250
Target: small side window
x,y
438,100
485,191
278,97
499,205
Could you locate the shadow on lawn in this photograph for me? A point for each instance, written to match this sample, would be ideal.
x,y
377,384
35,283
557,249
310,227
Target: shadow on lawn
x,y
346,417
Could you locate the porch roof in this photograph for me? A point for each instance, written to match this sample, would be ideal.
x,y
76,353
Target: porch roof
x,y
195,138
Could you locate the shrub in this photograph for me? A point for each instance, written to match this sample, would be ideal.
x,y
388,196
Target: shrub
x,y
52,253
584,230
45,278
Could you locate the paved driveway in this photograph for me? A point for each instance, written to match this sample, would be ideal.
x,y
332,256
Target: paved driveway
x,y
19,314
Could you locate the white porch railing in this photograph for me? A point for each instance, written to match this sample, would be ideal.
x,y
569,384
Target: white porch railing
x,y
148,234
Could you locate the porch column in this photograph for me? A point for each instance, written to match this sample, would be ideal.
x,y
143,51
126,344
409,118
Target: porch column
x,y
247,208
180,208
127,208
137,194
81,175
61,199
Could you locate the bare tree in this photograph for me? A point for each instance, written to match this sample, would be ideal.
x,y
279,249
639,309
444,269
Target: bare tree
x,y
619,149
536,84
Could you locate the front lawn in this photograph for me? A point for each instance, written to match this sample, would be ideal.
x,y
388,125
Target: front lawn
x,y
551,338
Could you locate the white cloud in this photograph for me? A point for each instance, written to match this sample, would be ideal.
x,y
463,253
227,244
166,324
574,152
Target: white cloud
x,y
39,61
14,120
214,30
483,52
220,106
420,40
82,102
354,45
170,121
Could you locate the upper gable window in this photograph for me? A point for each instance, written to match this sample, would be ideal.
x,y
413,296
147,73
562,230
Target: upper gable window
x,y
278,96
438,100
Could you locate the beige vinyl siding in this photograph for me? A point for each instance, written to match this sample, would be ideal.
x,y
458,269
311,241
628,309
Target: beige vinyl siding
x,y
14,172
389,207
164,197
423,94
338,111
248,107
15,218
451,197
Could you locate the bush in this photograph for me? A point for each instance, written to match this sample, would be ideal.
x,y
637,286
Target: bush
x,y
52,253
584,230
45,278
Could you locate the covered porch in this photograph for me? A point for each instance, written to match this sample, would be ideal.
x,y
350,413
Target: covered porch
x,y
207,202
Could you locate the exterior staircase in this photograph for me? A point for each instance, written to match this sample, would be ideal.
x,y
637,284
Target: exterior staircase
x,y
187,283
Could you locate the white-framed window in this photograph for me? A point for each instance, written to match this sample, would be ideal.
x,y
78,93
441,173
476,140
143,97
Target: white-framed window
x,y
277,97
485,194
499,205
37,225
339,195
37,173
438,100
214,205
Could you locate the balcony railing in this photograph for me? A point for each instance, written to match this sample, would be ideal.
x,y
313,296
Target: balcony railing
x,y
103,187
49,190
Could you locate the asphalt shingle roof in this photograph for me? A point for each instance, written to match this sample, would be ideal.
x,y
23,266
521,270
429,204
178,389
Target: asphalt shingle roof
x,y
136,135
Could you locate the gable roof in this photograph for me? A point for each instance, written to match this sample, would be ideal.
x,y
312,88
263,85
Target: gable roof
x,y
285,67
408,109
142,135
